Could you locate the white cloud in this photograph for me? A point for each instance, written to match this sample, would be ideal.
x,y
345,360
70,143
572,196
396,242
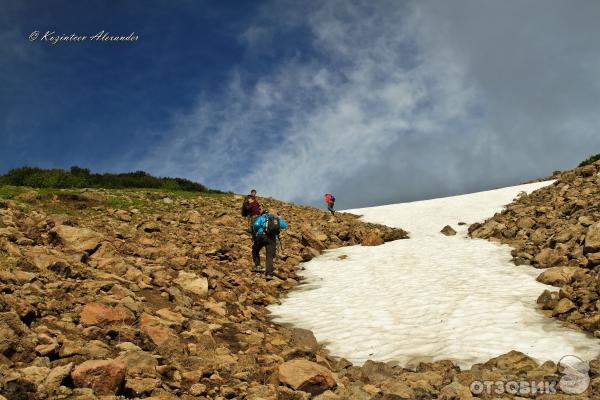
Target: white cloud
x,y
397,102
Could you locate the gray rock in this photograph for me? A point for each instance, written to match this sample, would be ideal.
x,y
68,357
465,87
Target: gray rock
x,y
448,231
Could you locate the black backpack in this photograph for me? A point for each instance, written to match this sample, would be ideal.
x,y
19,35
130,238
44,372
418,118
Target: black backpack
x,y
245,211
272,227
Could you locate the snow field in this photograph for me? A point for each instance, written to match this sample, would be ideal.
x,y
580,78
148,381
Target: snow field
x,y
430,297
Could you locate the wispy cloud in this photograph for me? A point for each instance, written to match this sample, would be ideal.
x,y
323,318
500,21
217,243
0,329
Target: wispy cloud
x,y
392,102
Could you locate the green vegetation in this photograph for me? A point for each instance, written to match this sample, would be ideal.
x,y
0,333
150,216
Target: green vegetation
x,y
590,160
121,201
78,177
10,192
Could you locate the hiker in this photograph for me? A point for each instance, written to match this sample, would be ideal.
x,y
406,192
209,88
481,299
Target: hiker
x,y
267,228
330,200
251,209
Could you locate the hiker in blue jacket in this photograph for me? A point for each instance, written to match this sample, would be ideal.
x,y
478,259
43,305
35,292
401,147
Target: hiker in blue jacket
x,y
267,228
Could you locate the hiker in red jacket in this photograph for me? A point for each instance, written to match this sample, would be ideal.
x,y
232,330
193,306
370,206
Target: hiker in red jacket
x,y
330,200
251,208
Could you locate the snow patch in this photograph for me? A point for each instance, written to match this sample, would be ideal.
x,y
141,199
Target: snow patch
x,y
430,297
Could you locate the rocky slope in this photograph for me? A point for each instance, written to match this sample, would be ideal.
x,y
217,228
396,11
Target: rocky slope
x,y
557,229
140,294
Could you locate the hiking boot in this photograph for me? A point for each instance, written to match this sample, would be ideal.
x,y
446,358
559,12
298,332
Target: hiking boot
x,y
269,277
256,268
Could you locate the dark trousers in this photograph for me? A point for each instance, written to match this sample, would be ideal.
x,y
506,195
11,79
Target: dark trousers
x,y
330,208
270,243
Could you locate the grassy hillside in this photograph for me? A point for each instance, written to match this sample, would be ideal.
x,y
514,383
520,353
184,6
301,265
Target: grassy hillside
x,y
78,177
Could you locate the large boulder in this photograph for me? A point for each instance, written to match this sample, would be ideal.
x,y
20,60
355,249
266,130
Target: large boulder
x,y
105,377
98,314
34,374
592,239
165,339
556,276
549,258
78,239
375,371
300,374
192,283
564,306
310,238
160,335
512,361
139,363
57,375
304,339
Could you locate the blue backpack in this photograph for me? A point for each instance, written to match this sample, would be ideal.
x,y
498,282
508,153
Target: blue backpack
x,y
272,227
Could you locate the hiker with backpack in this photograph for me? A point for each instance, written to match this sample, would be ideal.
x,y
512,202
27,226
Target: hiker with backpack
x,y
267,228
330,200
251,208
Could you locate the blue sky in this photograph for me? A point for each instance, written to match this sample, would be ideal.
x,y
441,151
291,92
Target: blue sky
x,y
376,102
85,103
